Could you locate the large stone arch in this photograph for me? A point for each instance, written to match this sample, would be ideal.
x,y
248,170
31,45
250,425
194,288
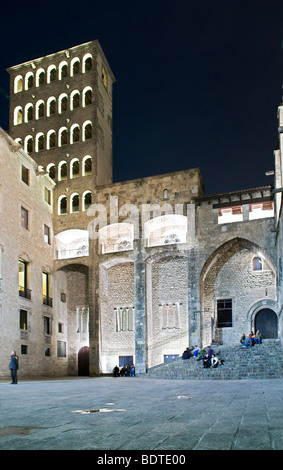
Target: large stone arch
x,y
116,307
72,284
166,305
209,273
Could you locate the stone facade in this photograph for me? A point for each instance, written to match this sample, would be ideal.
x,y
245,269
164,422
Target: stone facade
x,y
140,269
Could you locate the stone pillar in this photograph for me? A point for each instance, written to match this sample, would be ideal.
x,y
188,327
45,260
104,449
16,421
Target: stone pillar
x,y
194,309
140,316
94,348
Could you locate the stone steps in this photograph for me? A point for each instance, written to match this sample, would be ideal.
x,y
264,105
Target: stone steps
x,y
262,361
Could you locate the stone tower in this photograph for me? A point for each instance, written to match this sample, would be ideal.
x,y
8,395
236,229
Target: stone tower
x,y
61,112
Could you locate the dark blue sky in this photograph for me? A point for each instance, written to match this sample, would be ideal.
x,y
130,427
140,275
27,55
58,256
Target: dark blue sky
x,y
198,82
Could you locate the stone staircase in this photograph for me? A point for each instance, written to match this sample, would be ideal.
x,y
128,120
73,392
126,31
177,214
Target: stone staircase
x,y
261,361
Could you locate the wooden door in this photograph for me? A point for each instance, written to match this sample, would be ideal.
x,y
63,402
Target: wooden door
x,y
266,322
83,361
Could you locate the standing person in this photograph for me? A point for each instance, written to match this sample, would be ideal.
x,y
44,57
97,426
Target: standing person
x,y
14,366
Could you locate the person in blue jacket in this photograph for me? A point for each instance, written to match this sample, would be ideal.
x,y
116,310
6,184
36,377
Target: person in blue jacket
x,y
14,366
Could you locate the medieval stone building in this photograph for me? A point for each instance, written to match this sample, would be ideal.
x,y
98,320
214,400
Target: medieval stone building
x,y
95,273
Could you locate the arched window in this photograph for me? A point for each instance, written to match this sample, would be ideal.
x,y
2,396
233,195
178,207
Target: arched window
x,y
87,166
87,130
18,84
39,142
75,66
51,168
87,197
63,136
39,109
51,106
63,70
51,139
40,77
257,263
62,205
104,77
28,80
75,201
18,115
75,133
165,194
28,112
75,168
62,171
51,73
87,62
87,96
62,103
75,100
28,144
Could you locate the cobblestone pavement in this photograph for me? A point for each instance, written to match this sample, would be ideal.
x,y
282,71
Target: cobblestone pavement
x,y
134,413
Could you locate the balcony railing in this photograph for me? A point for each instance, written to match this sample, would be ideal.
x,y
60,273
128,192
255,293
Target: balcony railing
x,y
47,301
24,292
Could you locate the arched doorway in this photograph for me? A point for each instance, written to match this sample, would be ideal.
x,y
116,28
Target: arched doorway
x,y
266,323
83,361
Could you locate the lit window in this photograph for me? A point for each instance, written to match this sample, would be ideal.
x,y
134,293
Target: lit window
x,y
257,264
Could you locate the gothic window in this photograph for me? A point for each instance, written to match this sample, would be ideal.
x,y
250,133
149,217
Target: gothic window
x,y
124,318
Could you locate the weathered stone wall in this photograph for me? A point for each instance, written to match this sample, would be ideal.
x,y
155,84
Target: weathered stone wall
x,y
17,242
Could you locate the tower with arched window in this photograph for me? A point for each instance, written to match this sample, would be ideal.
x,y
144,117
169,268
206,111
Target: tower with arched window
x,y
61,112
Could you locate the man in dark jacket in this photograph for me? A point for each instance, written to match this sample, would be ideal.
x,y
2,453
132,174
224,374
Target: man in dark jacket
x,y
14,366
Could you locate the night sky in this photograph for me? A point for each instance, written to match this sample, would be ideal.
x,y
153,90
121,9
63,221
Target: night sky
x,y
198,83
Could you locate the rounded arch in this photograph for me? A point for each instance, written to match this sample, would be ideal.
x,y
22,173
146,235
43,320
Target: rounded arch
x,y
208,275
18,84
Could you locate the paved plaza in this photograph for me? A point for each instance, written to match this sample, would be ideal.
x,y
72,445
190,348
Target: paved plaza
x,y
134,413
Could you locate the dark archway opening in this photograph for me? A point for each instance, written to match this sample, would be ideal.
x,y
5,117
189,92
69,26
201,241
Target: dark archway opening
x,y
83,361
267,323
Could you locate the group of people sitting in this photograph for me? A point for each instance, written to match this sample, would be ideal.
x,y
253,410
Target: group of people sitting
x,y
125,371
251,339
208,358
